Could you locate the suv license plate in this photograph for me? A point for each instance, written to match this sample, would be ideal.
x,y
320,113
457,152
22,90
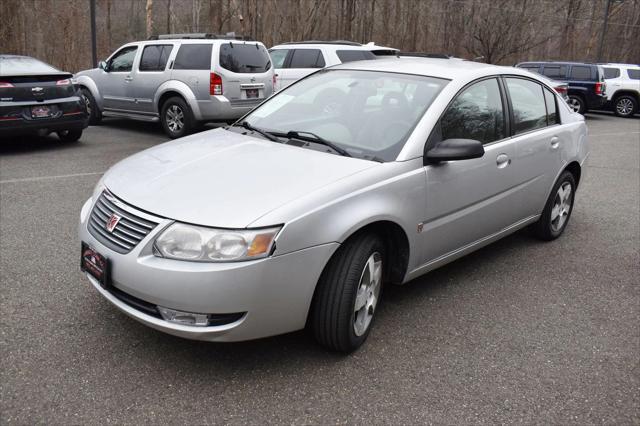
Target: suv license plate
x,y
40,111
252,93
94,264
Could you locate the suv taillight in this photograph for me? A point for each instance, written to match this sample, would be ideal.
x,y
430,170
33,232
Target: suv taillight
x,y
561,90
215,84
599,88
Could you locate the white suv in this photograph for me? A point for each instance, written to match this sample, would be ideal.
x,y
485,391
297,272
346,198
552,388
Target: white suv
x,y
623,88
295,60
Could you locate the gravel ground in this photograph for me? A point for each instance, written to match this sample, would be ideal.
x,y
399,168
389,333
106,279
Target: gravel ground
x,y
518,332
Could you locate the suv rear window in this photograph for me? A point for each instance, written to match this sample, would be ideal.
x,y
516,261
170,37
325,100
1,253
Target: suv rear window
x,y
579,72
244,58
354,55
634,74
193,57
611,73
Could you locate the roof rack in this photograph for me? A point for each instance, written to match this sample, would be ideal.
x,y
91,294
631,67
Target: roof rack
x,y
229,36
425,55
344,42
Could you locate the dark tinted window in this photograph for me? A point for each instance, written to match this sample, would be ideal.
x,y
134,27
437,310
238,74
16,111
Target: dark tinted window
x,y
634,74
123,60
552,109
611,72
580,73
278,56
555,71
16,65
307,58
193,57
244,58
154,58
529,107
354,55
475,114
530,67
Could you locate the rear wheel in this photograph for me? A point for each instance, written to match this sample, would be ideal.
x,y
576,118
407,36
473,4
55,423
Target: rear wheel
x,y
95,116
625,106
557,211
176,117
348,294
72,135
577,104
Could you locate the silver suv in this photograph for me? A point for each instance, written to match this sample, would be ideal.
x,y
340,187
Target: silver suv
x,y
179,80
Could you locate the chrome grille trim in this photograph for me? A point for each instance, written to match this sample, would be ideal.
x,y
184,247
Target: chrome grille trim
x,y
132,227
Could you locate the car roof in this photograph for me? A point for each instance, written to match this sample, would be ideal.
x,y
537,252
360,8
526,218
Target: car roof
x,y
211,41
318,45
613,64
559,62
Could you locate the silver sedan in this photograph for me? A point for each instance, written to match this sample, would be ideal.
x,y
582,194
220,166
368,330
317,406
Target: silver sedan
x,y
356,177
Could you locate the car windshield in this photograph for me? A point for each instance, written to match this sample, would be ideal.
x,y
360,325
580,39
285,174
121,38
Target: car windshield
x,y
368,114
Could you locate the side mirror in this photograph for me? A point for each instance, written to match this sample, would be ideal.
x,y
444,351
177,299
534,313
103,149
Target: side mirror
x,y
103,66
454,150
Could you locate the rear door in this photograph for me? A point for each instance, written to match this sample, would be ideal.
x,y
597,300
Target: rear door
x,y
148,74
115,82
300,63
192,65
246,71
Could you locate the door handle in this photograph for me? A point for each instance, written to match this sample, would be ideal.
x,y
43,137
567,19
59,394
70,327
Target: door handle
x,y
128,78
503,161
555,142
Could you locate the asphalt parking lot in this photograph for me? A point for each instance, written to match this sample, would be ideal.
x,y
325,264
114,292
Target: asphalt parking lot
x,y
518,332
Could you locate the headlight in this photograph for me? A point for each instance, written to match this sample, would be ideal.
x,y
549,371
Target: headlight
x,y
200,244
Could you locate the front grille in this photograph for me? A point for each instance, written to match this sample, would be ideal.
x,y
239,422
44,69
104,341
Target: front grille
x,y
129,230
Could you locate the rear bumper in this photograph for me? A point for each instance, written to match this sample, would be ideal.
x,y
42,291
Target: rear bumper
x,y
219,108
16,119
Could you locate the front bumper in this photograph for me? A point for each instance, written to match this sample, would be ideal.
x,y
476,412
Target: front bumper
x,y
274,293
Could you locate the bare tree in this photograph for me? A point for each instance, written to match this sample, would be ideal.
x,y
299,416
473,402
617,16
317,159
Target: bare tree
x,y
149,20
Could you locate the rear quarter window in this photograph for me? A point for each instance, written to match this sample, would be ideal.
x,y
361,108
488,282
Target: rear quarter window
x,y
354,55
611,73
193,57
244,58
634,74
579,72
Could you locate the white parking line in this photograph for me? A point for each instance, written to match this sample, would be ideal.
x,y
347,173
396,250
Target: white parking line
x,y
614,134
32,179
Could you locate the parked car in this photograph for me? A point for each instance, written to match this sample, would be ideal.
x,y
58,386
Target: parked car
x,y
587,89
36,98
179,81
299,214
295,60
623,88
381,51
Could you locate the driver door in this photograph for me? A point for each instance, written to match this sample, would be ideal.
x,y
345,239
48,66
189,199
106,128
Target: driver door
x,y
116,85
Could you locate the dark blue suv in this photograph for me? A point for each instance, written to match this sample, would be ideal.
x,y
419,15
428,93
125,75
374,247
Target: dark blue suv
x,y
586,82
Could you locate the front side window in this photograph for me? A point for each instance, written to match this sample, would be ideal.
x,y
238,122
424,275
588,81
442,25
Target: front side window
x,y
354,55
307,58
529,107
123,60
193,57
611,73
555,71
476,113
369,114
155,57
633,74
579,72
278,56
244,58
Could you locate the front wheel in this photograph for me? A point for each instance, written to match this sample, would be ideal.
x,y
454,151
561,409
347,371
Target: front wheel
x,y
348,294
577,104
70,135
625,106
176,117
557,211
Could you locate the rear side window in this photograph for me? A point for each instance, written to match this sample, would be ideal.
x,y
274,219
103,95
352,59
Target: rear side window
x,y
634,74
154,58
193,57
354,55
611,73
579,72
555,71
307,58
476,113
244,58
278,56
531,67
529,106
552,110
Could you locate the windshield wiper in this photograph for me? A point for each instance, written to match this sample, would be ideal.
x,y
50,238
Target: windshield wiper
x,y
312,137
264,133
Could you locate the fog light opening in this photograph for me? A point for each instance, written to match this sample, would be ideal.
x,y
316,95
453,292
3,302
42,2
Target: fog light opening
x,y
184,318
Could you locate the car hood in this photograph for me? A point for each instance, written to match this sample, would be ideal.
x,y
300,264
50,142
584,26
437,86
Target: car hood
x,y
224,179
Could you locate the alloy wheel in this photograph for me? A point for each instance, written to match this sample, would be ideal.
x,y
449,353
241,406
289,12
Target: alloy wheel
x,y
175,118
87,104
368,294
575,104
561,207
624,106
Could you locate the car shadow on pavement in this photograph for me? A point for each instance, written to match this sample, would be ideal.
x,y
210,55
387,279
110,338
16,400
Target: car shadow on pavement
x,y
23,144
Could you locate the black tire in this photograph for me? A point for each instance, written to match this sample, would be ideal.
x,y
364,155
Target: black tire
x,y
176,117
625,106
95,116
72,135
577,104
333,316
546,228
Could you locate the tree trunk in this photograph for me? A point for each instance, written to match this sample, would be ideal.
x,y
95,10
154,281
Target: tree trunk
x,y
149,18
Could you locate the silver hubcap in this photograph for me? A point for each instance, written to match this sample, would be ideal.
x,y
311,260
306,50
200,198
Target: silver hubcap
x,y
574,104
624,106
175,118
368,294
87,104
561,207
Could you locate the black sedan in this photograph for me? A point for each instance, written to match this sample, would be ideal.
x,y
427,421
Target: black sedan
x,y
36,98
